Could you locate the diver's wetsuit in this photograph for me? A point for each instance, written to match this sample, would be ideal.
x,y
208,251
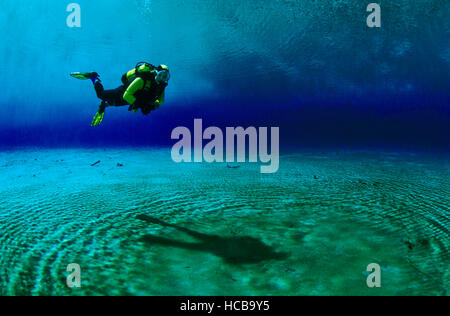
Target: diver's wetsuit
x,y
145,99
113,97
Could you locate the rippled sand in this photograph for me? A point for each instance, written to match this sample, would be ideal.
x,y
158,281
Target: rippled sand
x,y
152,227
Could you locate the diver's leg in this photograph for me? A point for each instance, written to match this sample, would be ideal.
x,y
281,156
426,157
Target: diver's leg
x,y
113,97
103,94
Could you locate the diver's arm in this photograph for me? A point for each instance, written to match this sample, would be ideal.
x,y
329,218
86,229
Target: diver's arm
x,y
134,87
160,101
155,105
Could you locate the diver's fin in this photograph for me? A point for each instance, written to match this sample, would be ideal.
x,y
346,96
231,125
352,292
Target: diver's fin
x,y
84,75
98,118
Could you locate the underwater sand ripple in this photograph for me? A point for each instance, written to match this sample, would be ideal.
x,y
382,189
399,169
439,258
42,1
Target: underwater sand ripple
x,y
324,213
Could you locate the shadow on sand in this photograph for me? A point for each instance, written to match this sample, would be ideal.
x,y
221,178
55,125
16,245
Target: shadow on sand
x,y
233,250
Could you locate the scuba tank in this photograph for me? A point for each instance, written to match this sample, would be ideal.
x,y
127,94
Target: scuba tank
x,y
142,70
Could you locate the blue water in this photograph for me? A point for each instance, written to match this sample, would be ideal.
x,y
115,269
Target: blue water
x,y
311,67
364,118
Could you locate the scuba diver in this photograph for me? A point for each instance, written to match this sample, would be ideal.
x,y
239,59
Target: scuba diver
x,y
142,88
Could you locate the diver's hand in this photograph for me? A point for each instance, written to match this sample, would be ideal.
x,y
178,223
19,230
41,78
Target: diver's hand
x,y
146,110
133,107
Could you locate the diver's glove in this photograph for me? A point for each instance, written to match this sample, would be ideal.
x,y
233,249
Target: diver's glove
x,y
133,107
146,109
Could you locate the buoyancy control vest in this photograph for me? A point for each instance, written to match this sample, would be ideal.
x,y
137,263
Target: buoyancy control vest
x,y
147,72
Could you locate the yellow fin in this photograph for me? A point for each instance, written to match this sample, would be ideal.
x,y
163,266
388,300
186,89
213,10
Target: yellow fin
x,y
98,118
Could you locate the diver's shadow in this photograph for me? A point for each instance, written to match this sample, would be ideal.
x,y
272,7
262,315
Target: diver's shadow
x,y
233,250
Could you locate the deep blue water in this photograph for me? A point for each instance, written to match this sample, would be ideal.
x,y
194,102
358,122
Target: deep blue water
x,y
313,68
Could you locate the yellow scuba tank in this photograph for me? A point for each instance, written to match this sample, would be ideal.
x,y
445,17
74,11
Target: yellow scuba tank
x,y
143,70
